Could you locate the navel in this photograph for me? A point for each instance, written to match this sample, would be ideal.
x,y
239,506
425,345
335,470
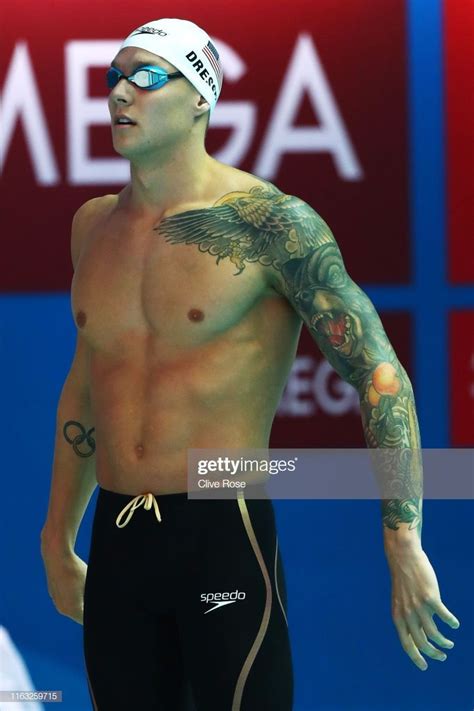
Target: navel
x,y
139,450
195,315
81,319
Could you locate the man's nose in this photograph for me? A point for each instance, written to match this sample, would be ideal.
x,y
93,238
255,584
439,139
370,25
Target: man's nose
x,y
121,97
122,91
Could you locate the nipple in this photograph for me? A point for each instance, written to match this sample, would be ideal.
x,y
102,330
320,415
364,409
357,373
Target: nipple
x,y
195,315
81,319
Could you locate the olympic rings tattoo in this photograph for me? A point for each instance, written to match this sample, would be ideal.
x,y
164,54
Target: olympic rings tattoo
x,y
78,439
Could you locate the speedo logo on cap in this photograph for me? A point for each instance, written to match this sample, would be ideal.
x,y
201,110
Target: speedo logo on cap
x,y
145,30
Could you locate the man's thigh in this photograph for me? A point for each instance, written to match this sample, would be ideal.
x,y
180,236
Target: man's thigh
x,y
130,662
131,647
232,613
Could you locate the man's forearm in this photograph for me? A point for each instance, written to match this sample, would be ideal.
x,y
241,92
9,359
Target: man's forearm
x,y
73,476
391,427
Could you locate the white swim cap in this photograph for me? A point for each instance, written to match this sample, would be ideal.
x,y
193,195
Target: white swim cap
x,y
188,47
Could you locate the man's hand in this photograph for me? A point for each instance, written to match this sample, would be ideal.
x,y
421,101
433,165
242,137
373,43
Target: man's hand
x,y
66,576
415,599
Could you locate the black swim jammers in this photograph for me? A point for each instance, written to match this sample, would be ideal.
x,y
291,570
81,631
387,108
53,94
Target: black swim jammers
x,y
185,605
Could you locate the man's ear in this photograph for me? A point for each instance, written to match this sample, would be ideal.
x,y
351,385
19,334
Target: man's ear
x,y
202,106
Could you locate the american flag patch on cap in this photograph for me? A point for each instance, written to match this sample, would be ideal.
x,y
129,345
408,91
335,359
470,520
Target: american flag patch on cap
x,y
213,56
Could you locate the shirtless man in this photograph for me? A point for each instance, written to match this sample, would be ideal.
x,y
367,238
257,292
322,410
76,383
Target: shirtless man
x,y
189,292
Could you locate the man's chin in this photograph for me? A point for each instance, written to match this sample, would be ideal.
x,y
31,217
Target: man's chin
x,y
121,151
121,147
134,150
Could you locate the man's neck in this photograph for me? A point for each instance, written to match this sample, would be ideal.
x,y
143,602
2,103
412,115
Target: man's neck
x,y
159,187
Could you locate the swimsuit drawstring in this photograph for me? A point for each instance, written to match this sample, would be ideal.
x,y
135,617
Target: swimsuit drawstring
x,y
146,499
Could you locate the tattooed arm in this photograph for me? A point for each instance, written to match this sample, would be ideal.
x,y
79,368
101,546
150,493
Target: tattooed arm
x,y
72,484
309,271
74,473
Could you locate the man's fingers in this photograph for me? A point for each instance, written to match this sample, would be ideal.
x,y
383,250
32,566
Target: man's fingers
x,y
442,611
408,644
421,641
433,632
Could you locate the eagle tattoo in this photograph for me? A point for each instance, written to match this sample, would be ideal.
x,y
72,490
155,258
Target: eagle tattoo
x,y
262,226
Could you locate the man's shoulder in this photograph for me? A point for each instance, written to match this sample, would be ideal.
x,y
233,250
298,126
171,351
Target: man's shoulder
x,y
291,206
274,210
240,181
282,223
95,207
84,220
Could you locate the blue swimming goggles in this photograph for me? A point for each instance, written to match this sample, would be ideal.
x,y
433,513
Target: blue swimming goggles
x,y
148,78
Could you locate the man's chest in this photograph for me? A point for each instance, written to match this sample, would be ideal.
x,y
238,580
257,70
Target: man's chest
x,y
135,280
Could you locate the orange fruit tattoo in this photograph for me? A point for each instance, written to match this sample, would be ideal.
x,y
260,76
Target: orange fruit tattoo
x,y
385,379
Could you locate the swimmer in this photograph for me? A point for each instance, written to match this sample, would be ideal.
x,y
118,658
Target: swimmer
x,y
190,289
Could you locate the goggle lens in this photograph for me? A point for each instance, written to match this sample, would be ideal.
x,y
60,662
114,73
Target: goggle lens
x,y
143,78
111,78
